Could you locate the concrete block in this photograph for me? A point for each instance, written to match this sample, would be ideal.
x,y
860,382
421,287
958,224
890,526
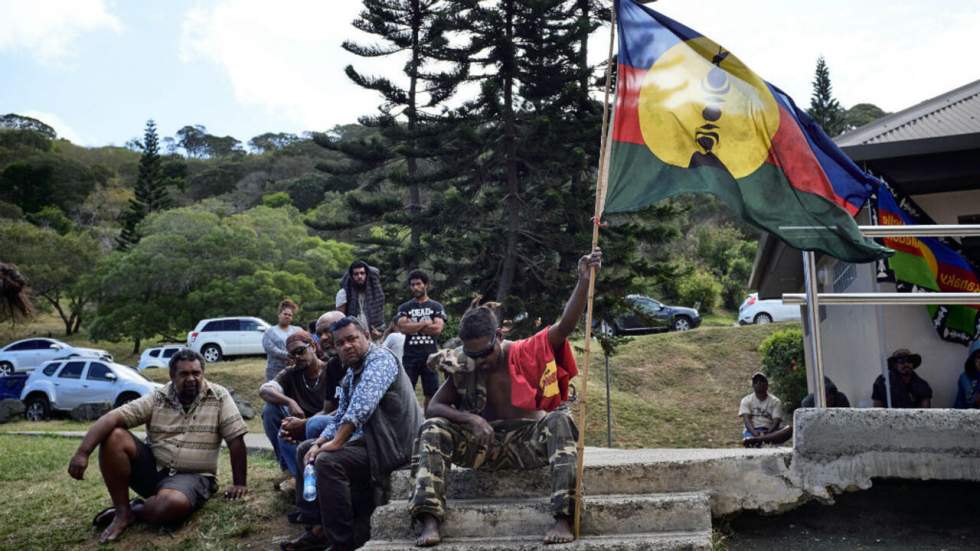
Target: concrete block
x,y
844,449
602,515
667,541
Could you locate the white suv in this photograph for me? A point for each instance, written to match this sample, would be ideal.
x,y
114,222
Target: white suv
x,y
27,354
64,384
219,337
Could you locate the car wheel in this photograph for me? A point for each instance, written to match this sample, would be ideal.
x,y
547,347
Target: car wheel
x,y
6,368
762,318
37,407
681,323
211,353
125,398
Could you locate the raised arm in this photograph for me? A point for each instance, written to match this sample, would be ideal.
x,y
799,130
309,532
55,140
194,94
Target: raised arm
x,y
560,331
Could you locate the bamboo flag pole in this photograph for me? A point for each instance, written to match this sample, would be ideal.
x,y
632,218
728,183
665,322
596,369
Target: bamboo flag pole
x,y
600,199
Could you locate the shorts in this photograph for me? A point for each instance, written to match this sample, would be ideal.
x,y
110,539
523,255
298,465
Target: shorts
x,y
146,480
415,367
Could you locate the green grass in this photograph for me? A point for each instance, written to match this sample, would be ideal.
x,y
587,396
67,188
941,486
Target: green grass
x,y
675,390
49,510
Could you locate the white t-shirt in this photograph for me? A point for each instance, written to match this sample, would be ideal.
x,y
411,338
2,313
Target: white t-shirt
x,y
341,298
396,343
762,414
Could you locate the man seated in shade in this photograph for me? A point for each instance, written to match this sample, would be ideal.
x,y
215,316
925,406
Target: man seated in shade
x,y
368,436
299,393
761,412
175,468
908,390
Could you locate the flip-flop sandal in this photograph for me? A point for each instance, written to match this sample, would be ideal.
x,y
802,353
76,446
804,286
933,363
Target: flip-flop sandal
x,y
105,517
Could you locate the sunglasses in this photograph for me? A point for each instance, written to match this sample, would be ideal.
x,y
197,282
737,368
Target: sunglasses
x,y
482,353
299,351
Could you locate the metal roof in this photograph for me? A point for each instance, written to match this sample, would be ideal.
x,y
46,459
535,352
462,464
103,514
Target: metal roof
x,y
953,113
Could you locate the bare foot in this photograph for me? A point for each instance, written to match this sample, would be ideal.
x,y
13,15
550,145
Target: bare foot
x,y
430,532
124,517
561,532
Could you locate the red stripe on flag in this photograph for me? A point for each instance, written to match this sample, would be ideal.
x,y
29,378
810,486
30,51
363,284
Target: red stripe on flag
x,y
791,152
626,121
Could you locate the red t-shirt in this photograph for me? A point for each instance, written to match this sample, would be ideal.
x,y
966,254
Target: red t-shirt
x,y
539,380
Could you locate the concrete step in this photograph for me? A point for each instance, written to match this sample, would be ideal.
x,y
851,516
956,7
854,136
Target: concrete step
x,y
602,515
662,541
737,479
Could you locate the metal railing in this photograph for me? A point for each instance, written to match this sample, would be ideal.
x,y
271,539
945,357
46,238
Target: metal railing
x,y
814,299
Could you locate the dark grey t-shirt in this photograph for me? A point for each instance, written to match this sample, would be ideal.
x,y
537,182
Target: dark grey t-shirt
x,y
418,345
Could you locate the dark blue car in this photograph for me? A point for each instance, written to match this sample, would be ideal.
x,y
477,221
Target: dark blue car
x,y
11,385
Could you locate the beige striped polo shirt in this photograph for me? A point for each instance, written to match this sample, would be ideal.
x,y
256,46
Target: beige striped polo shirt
x,y
186,441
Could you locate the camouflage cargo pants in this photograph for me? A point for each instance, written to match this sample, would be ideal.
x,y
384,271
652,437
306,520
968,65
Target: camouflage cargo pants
x,y
518,444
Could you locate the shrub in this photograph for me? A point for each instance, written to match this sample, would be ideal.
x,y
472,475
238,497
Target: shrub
x,y
784,363
276,200
699,287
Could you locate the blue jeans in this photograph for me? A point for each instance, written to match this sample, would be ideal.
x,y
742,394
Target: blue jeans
x,y
272,417
287,450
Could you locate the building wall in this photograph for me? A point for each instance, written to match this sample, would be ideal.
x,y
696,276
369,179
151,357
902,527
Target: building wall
x,y
944,208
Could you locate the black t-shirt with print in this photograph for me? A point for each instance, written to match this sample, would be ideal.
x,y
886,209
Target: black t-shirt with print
x,y
416,344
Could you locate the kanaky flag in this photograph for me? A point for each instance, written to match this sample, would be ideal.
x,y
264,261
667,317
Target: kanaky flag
x,y
691,118
926,263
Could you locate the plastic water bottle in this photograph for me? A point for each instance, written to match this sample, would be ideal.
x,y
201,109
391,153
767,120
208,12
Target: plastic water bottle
x,y
309,483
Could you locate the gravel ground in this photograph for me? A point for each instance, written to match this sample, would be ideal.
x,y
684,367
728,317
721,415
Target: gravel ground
x,y
893,514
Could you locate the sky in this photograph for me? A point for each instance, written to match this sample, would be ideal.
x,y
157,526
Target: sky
x,y
96,70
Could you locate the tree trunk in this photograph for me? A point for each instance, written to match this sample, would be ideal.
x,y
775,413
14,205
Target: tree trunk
x,y
61,312
414,193
512,201
136,346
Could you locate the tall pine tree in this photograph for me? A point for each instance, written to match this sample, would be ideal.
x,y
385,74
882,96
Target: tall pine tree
x,y
149,194
823,107
401,159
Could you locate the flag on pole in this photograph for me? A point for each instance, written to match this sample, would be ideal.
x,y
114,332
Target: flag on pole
x,y
691,118
927,264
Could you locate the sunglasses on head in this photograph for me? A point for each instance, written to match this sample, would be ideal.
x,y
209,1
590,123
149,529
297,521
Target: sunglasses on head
x,y
482,353
298,351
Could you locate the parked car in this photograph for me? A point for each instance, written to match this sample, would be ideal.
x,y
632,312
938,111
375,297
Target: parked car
x,y
646,315
220,337
62,385
25,355
769,310
157,356
11,385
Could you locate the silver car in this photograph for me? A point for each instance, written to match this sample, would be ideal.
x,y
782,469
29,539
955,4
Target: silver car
x,y
62,385
25,355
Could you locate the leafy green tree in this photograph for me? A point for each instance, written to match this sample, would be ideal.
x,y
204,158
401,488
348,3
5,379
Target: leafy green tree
x,y
51,217
193,140
276,200
824,109
862,114
272,141
14,121
46,179
189,257
150,193
57,266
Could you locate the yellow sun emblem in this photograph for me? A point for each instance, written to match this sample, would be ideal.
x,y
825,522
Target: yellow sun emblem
x,y
699,105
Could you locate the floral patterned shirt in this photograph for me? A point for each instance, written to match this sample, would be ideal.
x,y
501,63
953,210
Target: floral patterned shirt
x,y
360,392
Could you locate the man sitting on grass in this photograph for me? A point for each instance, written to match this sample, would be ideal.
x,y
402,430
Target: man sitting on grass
x,y
175,469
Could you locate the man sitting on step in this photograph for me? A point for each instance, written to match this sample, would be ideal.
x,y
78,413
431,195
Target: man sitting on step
x,y
490,412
